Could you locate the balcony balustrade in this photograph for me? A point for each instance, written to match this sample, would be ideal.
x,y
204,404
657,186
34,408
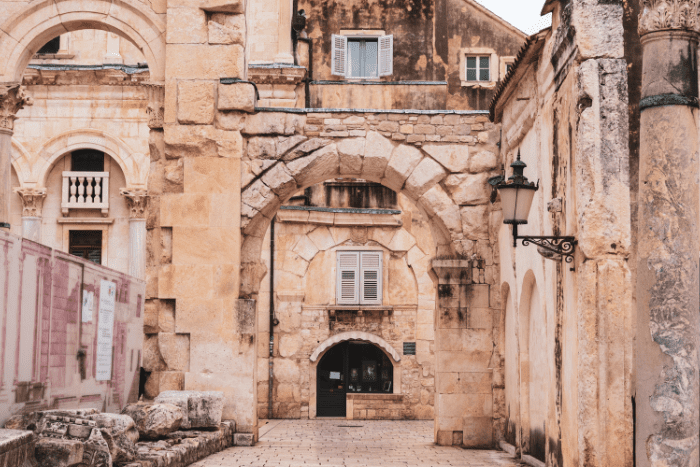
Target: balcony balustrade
x,y
85,190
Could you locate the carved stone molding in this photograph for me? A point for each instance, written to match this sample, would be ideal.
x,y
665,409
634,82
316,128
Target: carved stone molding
x,y
137,201
156,105
661,15
32,201
13,98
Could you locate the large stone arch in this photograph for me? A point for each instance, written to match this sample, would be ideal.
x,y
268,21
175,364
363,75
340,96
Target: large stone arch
x,y
23,33
134,165
404,168
355,336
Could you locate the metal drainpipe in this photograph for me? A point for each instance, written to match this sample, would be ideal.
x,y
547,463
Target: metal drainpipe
x,y
310,72
272,316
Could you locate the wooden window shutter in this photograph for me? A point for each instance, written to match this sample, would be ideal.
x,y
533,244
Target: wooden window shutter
x,y
371,278
386,55
339,54
348,278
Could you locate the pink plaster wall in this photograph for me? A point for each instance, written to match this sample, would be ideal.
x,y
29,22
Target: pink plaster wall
x,y
41,331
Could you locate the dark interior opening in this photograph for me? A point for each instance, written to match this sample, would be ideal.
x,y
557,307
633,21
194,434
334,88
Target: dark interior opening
x,y
86,244
354,367
87,160
51,47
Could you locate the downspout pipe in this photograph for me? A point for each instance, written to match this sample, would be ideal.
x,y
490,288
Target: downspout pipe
x,y
273,322
310,71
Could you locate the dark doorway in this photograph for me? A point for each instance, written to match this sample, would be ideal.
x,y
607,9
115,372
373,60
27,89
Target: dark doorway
x,y
86,244
350,367
87,160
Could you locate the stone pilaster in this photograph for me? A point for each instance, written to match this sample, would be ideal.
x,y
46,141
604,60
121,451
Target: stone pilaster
x,y
13,97
32,202
156,105
668,328
138,202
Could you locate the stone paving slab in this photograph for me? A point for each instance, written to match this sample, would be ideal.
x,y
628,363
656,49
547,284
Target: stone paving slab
x,y
352,443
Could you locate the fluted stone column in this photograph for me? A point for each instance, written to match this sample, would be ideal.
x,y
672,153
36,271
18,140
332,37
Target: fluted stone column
x,y
32,201
668,285
12,98
137,201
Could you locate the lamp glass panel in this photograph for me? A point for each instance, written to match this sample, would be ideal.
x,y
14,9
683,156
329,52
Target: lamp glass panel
x,y
523,203
508,201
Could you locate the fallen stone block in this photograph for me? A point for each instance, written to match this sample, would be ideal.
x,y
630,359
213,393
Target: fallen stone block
x,y
17,448
57,452
243,439
120,433
202,409
153,421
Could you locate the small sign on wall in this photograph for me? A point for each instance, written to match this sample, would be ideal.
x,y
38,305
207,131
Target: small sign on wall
x,y
105,330
409,348
88,299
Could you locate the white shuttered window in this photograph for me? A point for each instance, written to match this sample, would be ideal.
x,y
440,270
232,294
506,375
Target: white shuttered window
x,y
359,278
362,57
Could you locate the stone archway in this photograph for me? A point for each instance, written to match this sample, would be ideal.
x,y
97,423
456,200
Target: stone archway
x,y
31,27
355,336
136,173
419,173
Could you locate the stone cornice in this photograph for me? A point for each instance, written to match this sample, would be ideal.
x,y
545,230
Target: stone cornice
x,y
13,97
32,201
137,201
662,15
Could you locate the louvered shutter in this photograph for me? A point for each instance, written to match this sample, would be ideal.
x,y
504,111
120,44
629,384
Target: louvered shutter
x,y
371,278
348,279
386,55
339,55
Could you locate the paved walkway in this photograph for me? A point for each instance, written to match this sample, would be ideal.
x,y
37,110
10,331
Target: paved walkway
x,y
356,443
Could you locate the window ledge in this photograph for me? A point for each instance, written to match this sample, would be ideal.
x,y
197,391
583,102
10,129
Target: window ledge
x,y
41,57
85,220
373,396
479,84
359,308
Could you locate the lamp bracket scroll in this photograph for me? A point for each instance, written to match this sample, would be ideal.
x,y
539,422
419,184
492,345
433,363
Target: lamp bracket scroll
x,y
551,247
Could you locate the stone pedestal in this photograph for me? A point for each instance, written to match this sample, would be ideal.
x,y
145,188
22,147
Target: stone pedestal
x,y
12,98
668,331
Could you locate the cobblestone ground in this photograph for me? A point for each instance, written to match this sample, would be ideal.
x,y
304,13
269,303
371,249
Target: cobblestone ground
x,y
330,443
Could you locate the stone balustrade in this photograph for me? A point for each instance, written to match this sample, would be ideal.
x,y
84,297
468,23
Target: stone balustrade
x,y
85,190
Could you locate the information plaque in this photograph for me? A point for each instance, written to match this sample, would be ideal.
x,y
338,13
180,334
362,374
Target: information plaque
x,y
105,330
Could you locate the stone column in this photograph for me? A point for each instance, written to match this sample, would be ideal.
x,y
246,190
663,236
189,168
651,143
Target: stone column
x,y
32,201
12,98
668,332
284,39
137,201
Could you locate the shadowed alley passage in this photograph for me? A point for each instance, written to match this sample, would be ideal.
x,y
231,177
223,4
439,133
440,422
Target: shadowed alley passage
x,y
287,443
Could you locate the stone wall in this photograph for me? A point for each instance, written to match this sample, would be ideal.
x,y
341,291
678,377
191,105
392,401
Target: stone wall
x,y
306,244
49,354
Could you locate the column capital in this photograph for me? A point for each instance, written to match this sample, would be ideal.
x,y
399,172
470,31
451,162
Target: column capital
x,y
664,15
13,97
32,200
137,201
156,104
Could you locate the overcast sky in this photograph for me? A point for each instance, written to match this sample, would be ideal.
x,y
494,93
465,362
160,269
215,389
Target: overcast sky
x,y
523,14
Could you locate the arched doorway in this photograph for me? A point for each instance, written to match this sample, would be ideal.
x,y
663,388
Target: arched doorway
x,y
351,367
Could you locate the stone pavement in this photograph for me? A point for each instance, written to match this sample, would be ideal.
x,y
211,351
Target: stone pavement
x,y
329,443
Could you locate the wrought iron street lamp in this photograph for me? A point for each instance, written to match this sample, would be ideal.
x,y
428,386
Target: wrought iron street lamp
x,y
517,194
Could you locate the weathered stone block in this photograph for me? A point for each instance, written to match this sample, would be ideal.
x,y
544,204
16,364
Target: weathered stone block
x,y
186,26
224,6
455,157
205,408
378,150
120,433
320,165
51,452
403,160
238,96
243,439
200,61
426,174
195,102
154,421
175,350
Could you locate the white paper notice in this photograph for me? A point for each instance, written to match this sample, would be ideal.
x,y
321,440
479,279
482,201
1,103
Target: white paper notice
x,y
105,330
88,298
